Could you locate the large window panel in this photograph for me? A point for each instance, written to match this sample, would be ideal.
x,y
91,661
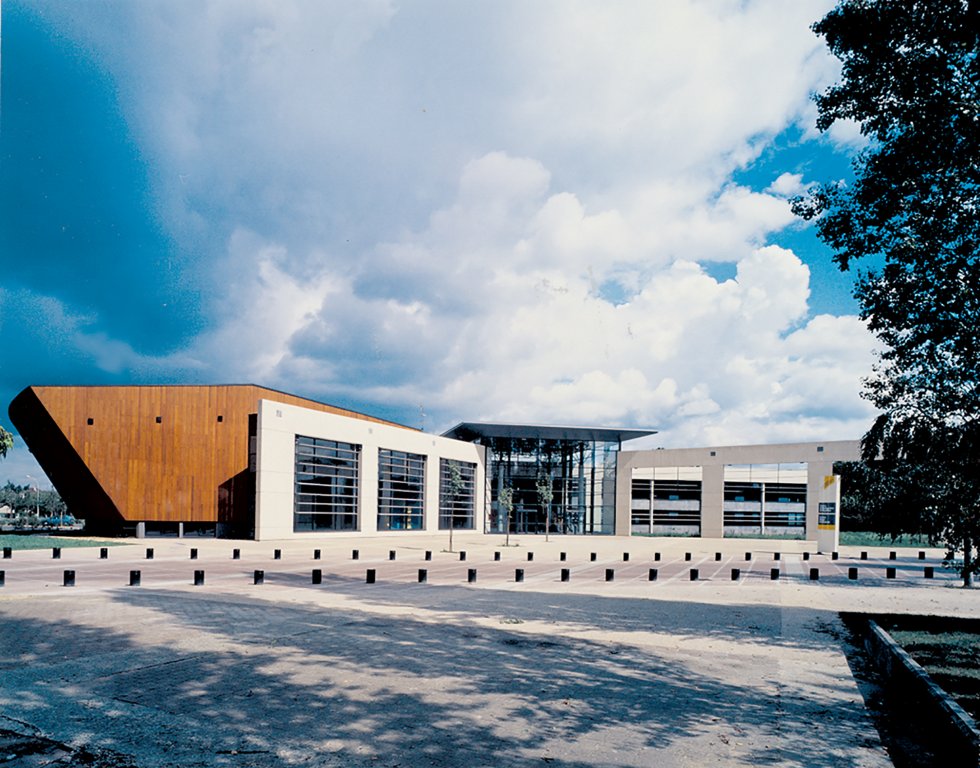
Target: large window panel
x,y
457,494
401,490
325,493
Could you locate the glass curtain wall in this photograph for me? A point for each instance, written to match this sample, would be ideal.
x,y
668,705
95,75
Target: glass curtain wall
x,y
326,483
457,494
401,491
562,486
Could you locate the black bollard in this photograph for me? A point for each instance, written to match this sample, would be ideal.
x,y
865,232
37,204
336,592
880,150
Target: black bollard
x,y
258,577
149,553
593,556
391,554
610,574
814,574
852,574
530,556
423,575
496,557
775,555
7,553
626,557
69,580
806,555
687,556
927,572
893,555
864,555
773,574
236,554
55,553
736,573
104,553
717,557
193,554
922,555
471,575
566,574
748,556
355,554
835,555
370,577
462,556
3,578
134,578
428,554
198,578
316,554
518,574
277,554
656,557
889,573
652,576
563,556
694,574
317,576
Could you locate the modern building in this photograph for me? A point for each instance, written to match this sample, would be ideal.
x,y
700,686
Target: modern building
x,y
249,462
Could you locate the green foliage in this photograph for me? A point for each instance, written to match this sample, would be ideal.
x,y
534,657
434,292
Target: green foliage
x,y
911,79
27,500
6,442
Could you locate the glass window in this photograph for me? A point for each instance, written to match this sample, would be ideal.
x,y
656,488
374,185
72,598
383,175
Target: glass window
x,y
457,494
325,491
401,490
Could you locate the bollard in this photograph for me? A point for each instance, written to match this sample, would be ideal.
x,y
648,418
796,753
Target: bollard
x,y
864,555
149,553
566,574
194,554
656,557
922,555
7,552
775,555
773,574
104,553
530,556
927,572
471,575
806,555
198,578
610,574
852,574
355,554
369,578
277,554
835,555
889,573
496,557
694,574
423,575
317,576
134,578
593,556
626,557
69,580
717,557
814,574
563,556
55,553
893,555
391,554
258,577
687,556
735,574
236,554
316,554
518,574
3,578
652,576
462,555
748,556
428,554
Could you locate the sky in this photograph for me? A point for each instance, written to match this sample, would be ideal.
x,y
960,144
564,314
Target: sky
x,y
545,212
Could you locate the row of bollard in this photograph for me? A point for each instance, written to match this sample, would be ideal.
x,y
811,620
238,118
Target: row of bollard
x,y
258,576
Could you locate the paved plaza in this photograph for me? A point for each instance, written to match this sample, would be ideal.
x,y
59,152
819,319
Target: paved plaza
x,y
499,672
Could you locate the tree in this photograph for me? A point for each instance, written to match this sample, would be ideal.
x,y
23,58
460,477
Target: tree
x,y
505,501
911,79
455,487
545,495
6,442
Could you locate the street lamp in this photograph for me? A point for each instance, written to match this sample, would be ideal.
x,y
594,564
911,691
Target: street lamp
x,y
37,496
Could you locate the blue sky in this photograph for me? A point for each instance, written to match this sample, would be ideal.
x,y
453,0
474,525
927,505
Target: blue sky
x,y
550,211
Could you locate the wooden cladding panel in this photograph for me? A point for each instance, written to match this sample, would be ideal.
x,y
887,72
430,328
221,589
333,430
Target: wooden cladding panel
x,y
179,468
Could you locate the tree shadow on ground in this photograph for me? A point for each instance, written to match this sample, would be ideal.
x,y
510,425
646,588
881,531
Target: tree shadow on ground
x,y
273,684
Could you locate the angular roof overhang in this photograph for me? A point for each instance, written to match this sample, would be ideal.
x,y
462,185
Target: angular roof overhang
x,y
474,430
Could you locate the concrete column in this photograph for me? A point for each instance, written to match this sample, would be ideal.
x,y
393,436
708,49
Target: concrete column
x,y
140,530
624,494
823,506
180,530
713,501
367,496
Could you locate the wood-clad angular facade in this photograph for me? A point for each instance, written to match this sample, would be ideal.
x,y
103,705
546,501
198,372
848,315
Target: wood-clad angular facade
x,y
121,455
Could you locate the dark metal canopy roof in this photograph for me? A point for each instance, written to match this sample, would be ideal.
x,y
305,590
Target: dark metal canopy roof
x,y
472,430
